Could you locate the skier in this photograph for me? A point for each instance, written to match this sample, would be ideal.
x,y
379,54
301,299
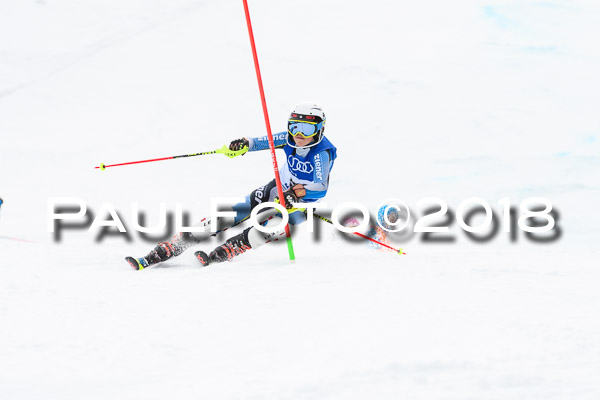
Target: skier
x,y
304,178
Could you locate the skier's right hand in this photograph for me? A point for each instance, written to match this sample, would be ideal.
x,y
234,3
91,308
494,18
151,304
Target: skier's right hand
x,y
293,194
239,144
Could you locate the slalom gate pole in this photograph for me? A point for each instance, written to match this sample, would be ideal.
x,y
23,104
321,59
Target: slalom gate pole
x,y
362,236
223,150
268,124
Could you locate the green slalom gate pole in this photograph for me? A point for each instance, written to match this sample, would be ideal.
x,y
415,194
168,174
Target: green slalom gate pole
x,y
268,124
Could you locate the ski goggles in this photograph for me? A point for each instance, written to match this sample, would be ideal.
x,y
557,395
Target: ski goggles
x,y
306,129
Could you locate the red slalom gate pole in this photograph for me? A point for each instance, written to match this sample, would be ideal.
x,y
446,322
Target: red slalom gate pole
x,y
268,124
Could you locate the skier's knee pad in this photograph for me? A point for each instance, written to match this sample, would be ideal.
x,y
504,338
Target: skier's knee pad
x,y
257,238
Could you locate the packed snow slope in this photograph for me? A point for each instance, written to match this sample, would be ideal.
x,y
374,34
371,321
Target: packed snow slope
x,y
446,99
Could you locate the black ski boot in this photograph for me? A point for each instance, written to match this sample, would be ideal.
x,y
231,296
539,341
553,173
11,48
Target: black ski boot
x,y
163,251
202,257
232,247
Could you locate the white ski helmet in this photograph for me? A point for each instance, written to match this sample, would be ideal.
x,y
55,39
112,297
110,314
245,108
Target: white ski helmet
x,y
307,120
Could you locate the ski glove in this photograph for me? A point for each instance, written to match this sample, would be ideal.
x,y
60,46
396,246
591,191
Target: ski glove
x,y
239,144
293,194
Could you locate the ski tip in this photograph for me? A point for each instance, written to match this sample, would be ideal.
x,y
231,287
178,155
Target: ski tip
x,y
202,258
135,264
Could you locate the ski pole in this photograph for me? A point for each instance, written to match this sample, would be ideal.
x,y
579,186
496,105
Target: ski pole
x,y
362,236
223,150
16,239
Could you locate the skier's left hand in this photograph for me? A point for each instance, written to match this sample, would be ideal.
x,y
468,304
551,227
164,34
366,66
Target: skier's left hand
x,y
293,194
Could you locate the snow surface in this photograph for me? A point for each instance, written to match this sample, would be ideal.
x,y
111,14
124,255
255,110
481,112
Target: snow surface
x,y
446,99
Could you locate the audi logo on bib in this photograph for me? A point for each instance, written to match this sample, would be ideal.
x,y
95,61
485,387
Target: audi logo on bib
x,y
300,166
